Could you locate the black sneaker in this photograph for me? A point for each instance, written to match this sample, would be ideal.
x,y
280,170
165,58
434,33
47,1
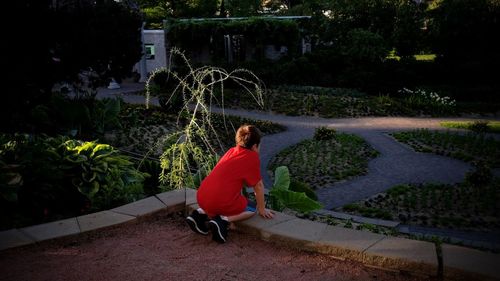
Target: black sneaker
x,y
197,222
218,226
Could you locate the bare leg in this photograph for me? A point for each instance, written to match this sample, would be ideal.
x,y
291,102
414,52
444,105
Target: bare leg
x,y
242,216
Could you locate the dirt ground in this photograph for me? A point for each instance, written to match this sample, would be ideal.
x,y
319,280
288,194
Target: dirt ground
x,y
164,248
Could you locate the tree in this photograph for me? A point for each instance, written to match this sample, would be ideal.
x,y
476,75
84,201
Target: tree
x,y
408,28
466,29
102,36
241,8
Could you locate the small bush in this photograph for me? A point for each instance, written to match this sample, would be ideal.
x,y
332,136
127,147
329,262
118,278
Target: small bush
x,y
481,176
324,133
480,126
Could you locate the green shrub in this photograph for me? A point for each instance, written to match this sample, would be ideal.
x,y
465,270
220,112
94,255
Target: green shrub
x,y
324,133
480,126
51,177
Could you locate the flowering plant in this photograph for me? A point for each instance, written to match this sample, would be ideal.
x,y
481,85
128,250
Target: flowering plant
x,y
430,102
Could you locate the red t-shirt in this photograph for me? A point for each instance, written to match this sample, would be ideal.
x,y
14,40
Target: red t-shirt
x,y
220,191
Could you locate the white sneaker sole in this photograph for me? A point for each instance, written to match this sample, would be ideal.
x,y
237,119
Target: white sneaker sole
x,y
215,226
194,226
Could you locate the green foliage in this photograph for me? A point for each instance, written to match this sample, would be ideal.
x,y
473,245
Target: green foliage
x,y
86,116
106,177
283,197
154,17
470,147
49,177
192,35
190,153
466,29
463,206
479,126
321,163
364,46
480,177
398,190
408,32
281,178
242,8
324,133
425,101
299,186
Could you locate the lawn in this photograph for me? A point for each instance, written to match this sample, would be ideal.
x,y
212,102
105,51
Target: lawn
x,y
481,126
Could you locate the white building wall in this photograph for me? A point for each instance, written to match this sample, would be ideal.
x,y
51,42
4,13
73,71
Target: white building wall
x,y
157,38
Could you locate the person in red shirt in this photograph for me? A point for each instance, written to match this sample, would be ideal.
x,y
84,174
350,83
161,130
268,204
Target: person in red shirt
x,y
220,194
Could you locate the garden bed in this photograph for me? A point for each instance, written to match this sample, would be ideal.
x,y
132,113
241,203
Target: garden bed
x,y
346,103
143,129
461,206
322,162
469,147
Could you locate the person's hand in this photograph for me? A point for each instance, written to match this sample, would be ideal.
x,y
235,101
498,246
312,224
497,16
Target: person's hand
x,y
265,213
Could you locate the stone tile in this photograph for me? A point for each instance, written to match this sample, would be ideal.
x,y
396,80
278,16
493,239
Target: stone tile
x,y
298,229
469,263
346,243
52,229
177,200
13,238
102,219
256,223
142,207
413,256
296,233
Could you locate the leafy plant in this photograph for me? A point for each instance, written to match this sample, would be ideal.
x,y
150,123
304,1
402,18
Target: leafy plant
x,y
299,186
104,176
282,197
191,150
47,178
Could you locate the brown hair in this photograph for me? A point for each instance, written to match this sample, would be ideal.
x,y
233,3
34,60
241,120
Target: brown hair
x,y
247,136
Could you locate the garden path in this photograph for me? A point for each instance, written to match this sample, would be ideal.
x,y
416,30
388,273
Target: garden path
x,y
396,164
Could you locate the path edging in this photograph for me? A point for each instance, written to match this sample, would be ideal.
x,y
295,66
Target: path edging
x,y
373,250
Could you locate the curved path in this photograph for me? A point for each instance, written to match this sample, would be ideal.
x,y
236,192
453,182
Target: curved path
x,y
396,164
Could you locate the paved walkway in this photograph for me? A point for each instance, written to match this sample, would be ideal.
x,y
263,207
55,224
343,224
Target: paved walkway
x,y
396,164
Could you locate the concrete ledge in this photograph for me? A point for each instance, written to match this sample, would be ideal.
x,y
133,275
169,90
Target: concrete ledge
x,y
13,238
297,233
469,264
345,243
373,250
52,230
102,219
142,207
176,200
404,255
256,224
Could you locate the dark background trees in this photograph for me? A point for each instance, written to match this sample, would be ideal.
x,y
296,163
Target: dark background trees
x,y
57,43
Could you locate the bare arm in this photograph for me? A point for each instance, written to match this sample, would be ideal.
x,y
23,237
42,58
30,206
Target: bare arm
x,y
261,205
